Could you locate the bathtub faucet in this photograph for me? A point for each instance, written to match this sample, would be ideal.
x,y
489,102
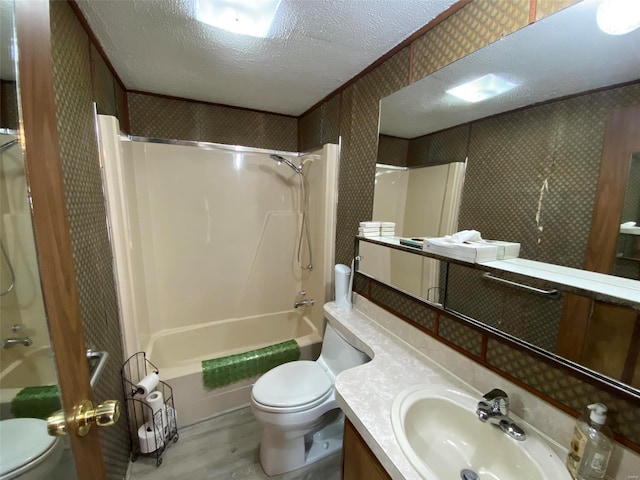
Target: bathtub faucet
x,y
12,342
303,303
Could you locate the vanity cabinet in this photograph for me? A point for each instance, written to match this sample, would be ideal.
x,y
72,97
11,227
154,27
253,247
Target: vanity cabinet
x,y
358,461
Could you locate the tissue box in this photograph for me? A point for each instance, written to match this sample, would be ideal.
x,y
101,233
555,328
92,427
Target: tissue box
x,y
506,250
466,252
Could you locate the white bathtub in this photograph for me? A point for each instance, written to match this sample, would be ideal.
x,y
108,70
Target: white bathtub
x,y
178,355
34,368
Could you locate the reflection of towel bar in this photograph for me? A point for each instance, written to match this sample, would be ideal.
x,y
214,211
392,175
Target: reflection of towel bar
x,y
552,292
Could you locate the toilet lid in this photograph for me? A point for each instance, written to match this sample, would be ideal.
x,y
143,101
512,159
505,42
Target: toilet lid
x,y
292,384
22,440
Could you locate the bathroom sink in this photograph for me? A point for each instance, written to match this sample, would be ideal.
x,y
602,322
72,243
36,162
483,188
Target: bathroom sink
x,y
439,432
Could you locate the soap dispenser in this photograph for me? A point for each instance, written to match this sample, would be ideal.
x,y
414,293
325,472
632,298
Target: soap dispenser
x,y
591,446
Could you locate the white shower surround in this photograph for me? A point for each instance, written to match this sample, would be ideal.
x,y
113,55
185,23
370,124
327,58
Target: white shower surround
x,y
202,235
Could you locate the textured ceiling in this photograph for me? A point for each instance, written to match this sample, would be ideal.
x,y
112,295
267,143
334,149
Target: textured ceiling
x,y
315,46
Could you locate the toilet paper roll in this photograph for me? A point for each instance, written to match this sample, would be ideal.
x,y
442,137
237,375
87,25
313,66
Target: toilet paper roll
x,y
158,412
145,386
150,439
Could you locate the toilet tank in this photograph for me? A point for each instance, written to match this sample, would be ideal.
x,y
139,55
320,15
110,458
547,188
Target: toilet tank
x,y
338,354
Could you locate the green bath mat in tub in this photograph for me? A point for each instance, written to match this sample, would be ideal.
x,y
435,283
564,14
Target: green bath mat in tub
x,y
36,402
233,368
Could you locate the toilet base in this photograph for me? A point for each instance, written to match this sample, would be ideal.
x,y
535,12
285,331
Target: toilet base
x,y
285,451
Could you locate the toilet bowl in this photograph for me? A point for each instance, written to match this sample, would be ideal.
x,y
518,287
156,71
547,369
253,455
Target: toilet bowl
x,y
295,402
27,452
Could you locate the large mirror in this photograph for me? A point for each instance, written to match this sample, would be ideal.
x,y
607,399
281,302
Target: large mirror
x,y
532,158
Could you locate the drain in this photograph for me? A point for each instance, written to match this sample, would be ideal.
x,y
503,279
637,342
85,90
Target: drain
x,y
467,474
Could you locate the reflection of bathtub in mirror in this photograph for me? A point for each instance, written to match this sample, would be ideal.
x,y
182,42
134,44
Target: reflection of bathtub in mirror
x,y
34,368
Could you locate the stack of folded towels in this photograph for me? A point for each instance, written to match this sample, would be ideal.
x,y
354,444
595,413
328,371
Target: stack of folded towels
x,y
377,229
387,229
369,229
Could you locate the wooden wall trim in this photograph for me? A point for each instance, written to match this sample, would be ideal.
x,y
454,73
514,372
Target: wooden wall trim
x,y
51,226
533,10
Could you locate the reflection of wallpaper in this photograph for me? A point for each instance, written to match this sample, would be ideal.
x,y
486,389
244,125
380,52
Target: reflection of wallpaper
x,y
545,203
441,147
437,148
392,150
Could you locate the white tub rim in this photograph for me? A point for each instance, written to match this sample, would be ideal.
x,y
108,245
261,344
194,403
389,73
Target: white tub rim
x,y
194,367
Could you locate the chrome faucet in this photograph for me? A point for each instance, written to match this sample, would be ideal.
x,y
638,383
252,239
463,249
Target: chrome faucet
x,y
12,342
303,303
494,409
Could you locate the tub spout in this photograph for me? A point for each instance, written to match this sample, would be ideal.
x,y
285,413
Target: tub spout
x,y
12,342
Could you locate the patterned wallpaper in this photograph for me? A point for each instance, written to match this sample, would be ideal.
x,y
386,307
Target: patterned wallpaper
x,y
392,150
8,105
162,117
538,189
478,24
86,210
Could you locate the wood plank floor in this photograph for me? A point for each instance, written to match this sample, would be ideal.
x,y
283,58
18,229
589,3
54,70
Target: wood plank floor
x,y
224,447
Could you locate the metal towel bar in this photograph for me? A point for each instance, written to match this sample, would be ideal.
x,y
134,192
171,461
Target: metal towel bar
x,y
551,293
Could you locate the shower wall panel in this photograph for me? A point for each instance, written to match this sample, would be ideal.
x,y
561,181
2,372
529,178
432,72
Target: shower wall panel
x,y
216,232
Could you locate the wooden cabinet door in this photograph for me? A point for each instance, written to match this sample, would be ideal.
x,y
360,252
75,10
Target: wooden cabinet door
x,y
358,461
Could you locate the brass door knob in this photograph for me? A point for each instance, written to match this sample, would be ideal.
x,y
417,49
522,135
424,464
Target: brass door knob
x,y
104,415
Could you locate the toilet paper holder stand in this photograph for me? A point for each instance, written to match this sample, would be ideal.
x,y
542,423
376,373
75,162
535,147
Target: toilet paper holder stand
x,y
160,426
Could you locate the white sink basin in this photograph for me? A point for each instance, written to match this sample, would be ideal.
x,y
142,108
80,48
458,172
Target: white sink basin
x,y
440,434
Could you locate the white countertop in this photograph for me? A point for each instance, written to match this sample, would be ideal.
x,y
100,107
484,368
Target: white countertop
x,y
402,356
365,393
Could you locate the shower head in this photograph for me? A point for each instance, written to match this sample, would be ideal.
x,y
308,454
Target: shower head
x,y
8,145
280,159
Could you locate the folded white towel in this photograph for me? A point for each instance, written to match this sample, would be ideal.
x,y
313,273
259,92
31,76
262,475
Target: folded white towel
x,y
370,224
368,230
386,230
387,224
465,236
369,234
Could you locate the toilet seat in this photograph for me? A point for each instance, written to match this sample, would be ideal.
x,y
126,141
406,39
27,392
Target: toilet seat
x,y
29,445
292,387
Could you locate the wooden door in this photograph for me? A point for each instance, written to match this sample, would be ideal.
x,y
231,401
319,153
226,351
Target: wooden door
x,y
51,226
621,140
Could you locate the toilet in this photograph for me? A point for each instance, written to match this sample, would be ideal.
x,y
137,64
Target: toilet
x,y
295,402
28,452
